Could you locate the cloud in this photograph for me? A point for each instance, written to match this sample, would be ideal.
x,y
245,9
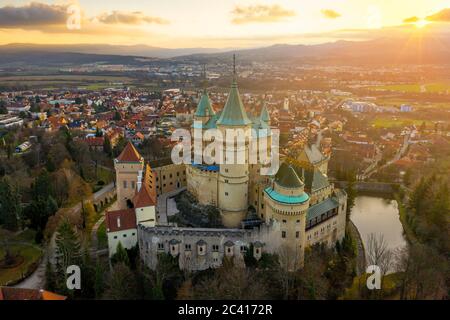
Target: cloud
x,y
330,14
33,14
260,14
441,16
134,18
411,19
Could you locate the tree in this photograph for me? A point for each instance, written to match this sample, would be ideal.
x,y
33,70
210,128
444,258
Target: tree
x,y
117,116
121,284
10,209
120,256
351,192
107,148
231,282
67,253
98,133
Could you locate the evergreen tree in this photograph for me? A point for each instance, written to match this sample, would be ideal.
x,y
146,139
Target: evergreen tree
x,y
10,209
68,252
107,148
121,255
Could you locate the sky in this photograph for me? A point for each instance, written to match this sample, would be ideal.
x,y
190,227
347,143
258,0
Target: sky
x,y
214,23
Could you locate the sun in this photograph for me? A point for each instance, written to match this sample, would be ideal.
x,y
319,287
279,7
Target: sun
x,y
421,23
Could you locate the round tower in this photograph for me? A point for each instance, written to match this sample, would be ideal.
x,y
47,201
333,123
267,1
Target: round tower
x,y
234,173
286,208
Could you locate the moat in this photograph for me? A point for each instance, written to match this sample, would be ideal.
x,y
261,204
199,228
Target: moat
x,y
378,215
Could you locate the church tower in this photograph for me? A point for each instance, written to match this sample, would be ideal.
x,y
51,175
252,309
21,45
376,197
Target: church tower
x,y
129,166
234,177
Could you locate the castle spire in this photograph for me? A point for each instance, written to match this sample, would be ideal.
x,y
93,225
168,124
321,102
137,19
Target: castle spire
x,y
233,113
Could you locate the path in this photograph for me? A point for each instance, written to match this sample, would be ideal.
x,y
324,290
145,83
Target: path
x,y
361,255
94,239
37,279
161,206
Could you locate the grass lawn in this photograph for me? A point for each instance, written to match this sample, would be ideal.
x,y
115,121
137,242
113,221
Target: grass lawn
x,y
101,236
31,256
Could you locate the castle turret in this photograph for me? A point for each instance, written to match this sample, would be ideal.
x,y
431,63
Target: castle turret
x,y
129,166
233,174
287,205
264,116
204,110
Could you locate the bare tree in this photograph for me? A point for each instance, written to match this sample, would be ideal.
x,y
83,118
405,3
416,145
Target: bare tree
x,y
378,253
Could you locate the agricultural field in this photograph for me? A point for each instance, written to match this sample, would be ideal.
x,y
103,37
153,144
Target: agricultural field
x,y
415,88
56,81
390,122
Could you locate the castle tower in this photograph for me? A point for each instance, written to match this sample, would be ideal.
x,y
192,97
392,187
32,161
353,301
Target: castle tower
x,y
286,208
129,166
264,116
234,178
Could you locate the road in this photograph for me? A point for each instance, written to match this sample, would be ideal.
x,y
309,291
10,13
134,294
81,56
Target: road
x,y
400,153
37,279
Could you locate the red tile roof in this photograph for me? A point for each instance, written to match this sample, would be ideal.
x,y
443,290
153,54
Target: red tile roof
x,y
120,220
129,154
95,141
144,197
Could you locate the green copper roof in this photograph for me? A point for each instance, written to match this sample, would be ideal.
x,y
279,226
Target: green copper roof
x,y
264,114
286,199
204,108
233,113
315,180
287,177
322,207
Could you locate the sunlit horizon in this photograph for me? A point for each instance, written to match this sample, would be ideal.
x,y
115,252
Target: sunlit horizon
x,y
225,24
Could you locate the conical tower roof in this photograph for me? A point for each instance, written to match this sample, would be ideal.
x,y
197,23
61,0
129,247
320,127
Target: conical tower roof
x,y
233,113
264,116
287,177
204,108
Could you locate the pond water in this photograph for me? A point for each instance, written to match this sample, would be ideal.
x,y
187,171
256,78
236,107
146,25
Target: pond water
x,y
378,215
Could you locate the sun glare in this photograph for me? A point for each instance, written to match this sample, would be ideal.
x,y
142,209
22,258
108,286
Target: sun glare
x,y
421,23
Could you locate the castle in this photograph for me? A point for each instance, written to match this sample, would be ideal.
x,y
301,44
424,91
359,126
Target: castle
x,y
295,208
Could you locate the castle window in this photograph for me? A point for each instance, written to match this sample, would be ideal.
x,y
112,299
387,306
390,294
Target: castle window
x,y
170,175
215,247
283,234
160,246
133,234
226,180
187,247
243,248
124,184
124,235
284,221
297,234
298,221
133,185
115,237
164,177
178,174
226,193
